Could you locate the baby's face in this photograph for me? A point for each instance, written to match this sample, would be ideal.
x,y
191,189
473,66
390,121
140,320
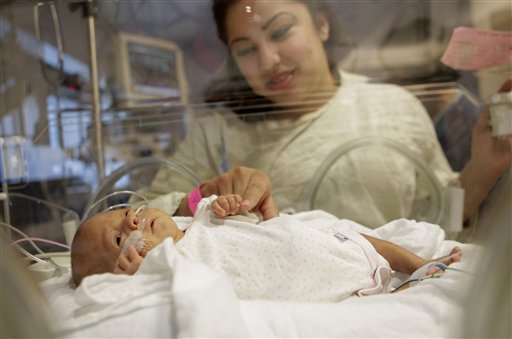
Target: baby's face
x,y
109,230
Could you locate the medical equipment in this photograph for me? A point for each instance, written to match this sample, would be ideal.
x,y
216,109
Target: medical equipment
x,y
501,114
131,168
441,208
147,69
13,160
434,211
45,265
50,225
136,240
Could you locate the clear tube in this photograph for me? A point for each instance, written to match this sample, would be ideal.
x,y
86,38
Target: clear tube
x,y
437,210
29,255
132,200
135,238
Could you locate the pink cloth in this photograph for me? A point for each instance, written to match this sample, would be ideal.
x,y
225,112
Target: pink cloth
x,y
472,49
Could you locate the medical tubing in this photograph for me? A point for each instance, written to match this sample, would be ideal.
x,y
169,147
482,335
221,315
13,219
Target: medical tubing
x,y
28,254
374,141
41,240
23,235
113,194
108,182
31,256
136,240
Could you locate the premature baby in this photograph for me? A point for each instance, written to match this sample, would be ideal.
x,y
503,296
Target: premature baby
x,y
290,257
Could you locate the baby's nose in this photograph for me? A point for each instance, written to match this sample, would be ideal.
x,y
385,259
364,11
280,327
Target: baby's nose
x,y
131,221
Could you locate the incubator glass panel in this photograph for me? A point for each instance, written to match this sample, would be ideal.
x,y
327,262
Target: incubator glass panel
x,y
161,72
143,95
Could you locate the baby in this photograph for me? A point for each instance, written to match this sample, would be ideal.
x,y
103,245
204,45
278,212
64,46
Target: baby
x,y
325,262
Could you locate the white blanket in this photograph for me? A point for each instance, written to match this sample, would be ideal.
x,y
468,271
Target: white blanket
x,y
173,296
290,257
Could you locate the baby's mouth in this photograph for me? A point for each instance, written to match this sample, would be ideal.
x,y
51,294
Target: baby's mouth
x,y
151,224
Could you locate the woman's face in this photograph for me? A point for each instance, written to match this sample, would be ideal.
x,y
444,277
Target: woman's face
x,y
279,50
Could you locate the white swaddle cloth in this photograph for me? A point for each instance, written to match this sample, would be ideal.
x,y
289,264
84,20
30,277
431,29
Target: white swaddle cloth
x,y
291,257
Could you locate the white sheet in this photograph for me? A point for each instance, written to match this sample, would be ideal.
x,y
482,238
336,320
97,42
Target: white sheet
x,y
192,300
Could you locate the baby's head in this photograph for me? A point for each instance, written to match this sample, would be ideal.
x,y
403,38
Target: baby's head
x,y
99,240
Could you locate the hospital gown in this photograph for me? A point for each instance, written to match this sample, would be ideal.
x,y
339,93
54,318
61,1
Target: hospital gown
x,y
295,258
371,185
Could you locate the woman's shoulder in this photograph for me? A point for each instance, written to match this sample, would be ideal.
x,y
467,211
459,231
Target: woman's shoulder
x,y
361,82
348,78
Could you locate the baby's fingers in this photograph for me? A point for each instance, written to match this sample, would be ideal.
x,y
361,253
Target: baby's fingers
x,y
121,264
434,270
217,209
128,264
233,203
226,205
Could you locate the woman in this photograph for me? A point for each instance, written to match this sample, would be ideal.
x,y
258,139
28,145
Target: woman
x,y
293,108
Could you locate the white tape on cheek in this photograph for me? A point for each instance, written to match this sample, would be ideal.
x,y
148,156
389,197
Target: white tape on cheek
x,y
136,240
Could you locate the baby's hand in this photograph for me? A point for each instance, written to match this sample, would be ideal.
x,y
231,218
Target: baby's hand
x,y
228,204
128,264
454,256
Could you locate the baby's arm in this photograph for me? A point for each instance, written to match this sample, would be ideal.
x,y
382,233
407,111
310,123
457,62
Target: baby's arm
x,y
128,264
403,260
227,204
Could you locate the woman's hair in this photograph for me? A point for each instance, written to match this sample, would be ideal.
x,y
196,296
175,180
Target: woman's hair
x,y
235,92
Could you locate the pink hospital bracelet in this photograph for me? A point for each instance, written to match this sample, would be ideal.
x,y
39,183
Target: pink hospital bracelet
x,y
194,198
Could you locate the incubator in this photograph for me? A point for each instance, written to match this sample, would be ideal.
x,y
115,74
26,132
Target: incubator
x,y
98,97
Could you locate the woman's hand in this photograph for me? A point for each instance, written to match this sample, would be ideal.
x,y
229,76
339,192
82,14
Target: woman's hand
x,y
128,264
252,185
